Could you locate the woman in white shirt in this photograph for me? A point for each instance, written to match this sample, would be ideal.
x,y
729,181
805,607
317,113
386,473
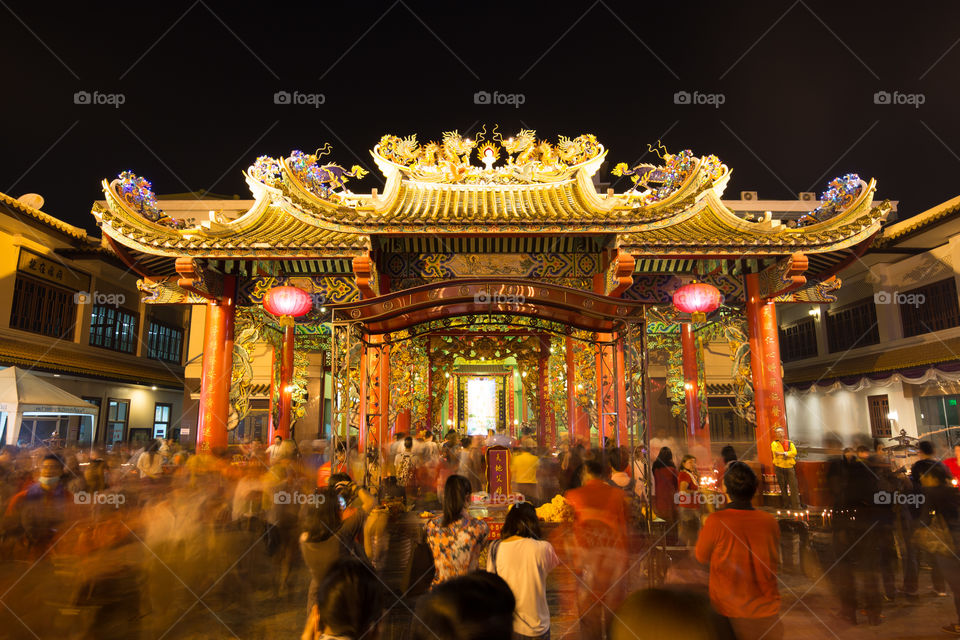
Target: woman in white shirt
x,y
523,560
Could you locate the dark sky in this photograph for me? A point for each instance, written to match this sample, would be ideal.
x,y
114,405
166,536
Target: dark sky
x,y
797,79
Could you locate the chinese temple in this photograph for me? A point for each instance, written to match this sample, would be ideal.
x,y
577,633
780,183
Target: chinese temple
x,y
492,283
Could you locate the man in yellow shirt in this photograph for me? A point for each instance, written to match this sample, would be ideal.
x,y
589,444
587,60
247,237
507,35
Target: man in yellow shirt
x,y
784,461
524,474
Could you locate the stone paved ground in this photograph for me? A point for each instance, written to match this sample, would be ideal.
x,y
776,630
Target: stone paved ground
x,y
237,611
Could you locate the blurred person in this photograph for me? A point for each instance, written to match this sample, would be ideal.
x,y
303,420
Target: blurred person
x,y
600,534
953,464
727,455
455,539
653,614
569,466
467,468
326,534
886,482
350,604
247,503
856,538
688,500
742,547
94,475
665,486
524,465
941,519
150,462
273,451
476,606
393,449
406,465
431,450
35,516
280,486
911,518
784,463
524,560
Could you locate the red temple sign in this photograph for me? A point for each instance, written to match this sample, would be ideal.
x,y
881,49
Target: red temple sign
x,y
498,471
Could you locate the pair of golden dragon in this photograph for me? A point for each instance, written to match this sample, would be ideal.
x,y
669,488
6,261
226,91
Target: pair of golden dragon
x,y
528,158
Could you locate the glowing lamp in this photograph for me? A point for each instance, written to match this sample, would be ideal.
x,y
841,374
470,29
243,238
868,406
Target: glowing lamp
x,y
287,301
697,299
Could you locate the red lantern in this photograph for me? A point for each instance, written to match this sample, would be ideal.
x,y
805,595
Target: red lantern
x,y
287,301
697,298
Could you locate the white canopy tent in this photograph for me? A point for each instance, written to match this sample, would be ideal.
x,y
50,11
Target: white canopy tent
x,y
25,394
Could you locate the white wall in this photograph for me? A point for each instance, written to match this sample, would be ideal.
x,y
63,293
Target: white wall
x,y
843,414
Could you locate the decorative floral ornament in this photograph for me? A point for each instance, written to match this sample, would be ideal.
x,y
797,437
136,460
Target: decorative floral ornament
x,y
841,192
321,180
266,170
138,193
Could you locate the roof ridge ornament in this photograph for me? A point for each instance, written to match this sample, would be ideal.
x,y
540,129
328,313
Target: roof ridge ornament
x,y
528,160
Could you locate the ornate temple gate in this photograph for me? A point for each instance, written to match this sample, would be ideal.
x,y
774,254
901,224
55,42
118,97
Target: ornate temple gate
x,y
531,237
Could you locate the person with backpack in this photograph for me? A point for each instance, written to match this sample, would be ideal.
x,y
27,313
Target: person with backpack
x,y
405,464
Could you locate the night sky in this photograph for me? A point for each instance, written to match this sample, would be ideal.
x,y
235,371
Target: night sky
x,y
798,83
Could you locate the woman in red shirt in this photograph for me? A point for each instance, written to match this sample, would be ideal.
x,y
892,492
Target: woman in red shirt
x,y
665,486
688,500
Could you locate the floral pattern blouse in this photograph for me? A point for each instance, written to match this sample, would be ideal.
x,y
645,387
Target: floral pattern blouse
x,y
456,547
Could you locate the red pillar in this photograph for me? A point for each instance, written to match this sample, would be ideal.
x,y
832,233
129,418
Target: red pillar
x,y
765,365
217,365
385,426
579,421
542,373
698,433
621,382
286,379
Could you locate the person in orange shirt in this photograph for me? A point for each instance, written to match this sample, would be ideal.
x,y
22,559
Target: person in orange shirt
x,y
600,561
742,547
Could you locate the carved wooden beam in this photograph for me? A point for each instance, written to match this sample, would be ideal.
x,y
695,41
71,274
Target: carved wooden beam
x,y
167,291
620,273
783,277
198,279
365,270
818,292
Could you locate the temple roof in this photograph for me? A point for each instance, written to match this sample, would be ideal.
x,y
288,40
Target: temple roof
x,y
302,208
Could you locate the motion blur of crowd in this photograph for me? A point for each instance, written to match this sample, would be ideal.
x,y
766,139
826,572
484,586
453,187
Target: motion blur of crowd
x,y
407,542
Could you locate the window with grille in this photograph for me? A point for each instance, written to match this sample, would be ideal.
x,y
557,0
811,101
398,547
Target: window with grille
x,y
799,340
852,326
164,342
113,328
879,410
929,308
118,413
161,419
42,308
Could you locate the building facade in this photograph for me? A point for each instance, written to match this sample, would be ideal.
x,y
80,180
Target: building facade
x,y
70,312
885,356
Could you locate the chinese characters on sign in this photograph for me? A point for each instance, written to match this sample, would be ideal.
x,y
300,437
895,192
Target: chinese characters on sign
x,y
52,270
498,470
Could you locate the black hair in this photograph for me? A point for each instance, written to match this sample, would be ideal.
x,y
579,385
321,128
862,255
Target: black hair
x,y
53,456
740,481
455,494
408,443
664,459
925,447
521,521
476,606
339,476
321,518
619,459
465,442
593,467
728,454
351,599
939,473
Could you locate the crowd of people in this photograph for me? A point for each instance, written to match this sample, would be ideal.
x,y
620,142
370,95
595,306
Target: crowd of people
x,y
128,542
